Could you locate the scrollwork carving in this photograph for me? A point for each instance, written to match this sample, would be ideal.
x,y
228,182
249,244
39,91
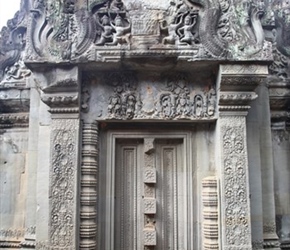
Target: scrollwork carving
x,y
62,183
236,200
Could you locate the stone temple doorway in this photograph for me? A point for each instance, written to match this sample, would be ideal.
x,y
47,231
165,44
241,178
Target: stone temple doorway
x,y
147,191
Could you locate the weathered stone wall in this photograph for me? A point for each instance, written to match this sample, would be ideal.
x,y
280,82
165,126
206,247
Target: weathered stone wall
x,y
212,76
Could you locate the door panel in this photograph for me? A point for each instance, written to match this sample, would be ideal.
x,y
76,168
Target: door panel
x,y
129,187
127,196
170,195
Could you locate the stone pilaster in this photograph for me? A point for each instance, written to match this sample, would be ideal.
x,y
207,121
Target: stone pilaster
x,y
279,92
271,240
62,96
237,84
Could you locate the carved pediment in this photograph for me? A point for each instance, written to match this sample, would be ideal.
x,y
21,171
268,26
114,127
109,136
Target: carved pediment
x,y
116,29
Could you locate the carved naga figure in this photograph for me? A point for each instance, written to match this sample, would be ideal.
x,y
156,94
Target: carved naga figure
x,y
208,27
282,18
252,34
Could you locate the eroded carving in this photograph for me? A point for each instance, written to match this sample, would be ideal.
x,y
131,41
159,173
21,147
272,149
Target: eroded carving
x,y
176,100
235,181
241,27
113,27
60,31
123,103
62,183
181,25
12,45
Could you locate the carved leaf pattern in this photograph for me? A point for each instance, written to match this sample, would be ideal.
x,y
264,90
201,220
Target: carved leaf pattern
x,y
237,231
62,178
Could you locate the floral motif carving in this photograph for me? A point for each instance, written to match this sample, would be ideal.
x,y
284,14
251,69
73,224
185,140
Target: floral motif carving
x,y
150,238
150,175
235,184
149,205
62,183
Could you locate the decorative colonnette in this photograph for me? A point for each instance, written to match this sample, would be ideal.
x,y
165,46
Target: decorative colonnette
x,y
210,213
89,170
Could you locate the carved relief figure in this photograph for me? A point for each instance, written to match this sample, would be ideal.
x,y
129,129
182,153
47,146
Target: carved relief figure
x,y
211,102
198,106
114,27
166,106
106,32
130,106
123,104
183,108
172,28
117,5
122,32
115,105
173,98
181,24
186,31
17,71
12,42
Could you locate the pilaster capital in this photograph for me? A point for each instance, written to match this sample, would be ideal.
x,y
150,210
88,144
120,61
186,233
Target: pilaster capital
x,y
62,90
237,84
279,93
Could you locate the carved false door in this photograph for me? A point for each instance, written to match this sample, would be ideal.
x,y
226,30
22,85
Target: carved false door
x,y
148,194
